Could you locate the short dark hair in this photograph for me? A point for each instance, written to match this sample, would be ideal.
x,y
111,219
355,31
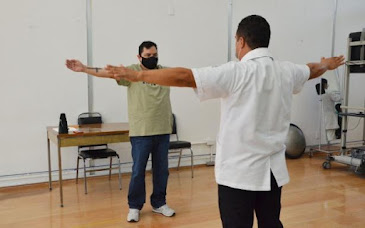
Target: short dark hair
x,y
255,30
320,88
324,81
147,45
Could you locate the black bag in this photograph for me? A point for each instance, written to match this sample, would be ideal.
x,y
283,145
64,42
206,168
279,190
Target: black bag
x,y
62,126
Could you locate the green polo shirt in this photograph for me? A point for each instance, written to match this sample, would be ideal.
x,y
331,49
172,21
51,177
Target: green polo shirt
x,y
149,107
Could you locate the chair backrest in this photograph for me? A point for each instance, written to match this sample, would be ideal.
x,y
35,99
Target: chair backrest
x,y
89,118
174,128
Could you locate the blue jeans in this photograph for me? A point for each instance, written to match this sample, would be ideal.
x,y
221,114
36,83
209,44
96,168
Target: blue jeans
x,y
142,146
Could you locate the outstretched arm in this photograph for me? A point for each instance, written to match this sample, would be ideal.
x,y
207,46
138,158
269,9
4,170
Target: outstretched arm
x,y
183,77
317,69
180,77
77,66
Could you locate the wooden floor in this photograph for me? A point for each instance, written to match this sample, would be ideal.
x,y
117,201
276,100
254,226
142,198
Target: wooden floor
x,y
314,198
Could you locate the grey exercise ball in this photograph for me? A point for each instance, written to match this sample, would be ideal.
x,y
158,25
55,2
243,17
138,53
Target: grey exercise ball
x,y
295,142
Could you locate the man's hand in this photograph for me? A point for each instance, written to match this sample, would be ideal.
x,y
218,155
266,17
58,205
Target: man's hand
x,y
122,72
317,69
75,65
333,62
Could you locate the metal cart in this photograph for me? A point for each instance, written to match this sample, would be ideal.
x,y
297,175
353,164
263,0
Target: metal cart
x,y
356,64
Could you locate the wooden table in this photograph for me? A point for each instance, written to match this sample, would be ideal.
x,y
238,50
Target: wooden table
x,y
88,134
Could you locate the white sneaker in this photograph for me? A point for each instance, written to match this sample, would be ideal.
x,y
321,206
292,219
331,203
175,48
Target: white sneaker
x,y
165,210
133,215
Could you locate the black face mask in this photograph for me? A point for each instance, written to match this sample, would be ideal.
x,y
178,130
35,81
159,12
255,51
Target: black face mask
x,y
150,63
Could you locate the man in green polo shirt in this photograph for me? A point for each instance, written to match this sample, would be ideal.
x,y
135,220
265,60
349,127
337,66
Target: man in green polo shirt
x,y
150,123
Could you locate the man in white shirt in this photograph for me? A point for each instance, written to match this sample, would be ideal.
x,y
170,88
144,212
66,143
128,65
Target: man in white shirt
x,y
330,117
256,95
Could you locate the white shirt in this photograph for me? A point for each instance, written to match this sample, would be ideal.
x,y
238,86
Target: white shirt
x,y
256,96
329,112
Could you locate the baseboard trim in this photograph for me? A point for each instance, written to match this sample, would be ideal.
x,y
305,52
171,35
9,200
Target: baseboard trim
x,y
41,177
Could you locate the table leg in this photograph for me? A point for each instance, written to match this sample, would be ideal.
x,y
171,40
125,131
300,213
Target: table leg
x,y
60,172
49,164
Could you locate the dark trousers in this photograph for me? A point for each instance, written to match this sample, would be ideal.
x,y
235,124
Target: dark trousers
x,y
142,147
237,206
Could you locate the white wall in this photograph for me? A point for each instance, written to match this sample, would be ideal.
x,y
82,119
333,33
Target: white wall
x,y
37,37
51,31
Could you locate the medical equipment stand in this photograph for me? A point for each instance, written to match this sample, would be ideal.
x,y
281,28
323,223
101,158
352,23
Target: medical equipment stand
x,y
343,158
